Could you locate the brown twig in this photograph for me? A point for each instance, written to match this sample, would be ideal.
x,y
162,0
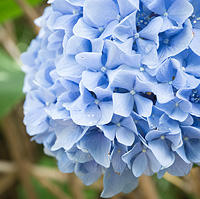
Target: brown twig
x,y
6,182
9,45
178,182
193,181
53,188
10,27
13,138
76,186
30,13
147,187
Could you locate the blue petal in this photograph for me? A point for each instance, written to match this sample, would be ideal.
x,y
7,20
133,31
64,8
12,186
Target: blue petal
x,y
117,163
77,155
76,45
113,55
154,165
126,28
185,9
88,117
109,131
129,123
90,60
121,79
179,167
114,183
164,92
65,165
106,108
68,67
139,165
152,30
123,104
91,79
125,136
128,6
157,6
98,146
178,114
194,45
68,135
162,152
100,12
144,105
81,29
85,174
127,157
148,50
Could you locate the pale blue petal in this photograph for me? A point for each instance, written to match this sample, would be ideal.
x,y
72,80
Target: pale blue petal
x,y
162,152
68,136
194,45
81,29
144,105
98,146
185,9
100,12
114,183
125,136
109,131
123,104
139,165
106,108
179,167
88,117
90,60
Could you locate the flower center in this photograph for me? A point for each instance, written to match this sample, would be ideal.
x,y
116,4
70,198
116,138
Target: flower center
x,y
144,150
118,124
141,69
162,137
119,17
165,14
103,69
101,29
96,101
132,92
136,35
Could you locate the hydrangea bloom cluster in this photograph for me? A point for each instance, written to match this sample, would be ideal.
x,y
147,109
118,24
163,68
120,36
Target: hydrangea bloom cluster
x,y
113,87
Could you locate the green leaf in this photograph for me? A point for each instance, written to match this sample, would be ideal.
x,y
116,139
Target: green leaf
x,y
11,83
9,9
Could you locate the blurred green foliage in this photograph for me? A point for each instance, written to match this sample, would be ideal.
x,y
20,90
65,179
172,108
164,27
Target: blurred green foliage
x,y
11,76
11,82
10,10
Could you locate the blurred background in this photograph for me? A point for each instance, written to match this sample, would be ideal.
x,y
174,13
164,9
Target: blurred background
x,y
25,172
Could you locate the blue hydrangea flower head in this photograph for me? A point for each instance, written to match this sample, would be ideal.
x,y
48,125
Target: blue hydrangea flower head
x,y
113,88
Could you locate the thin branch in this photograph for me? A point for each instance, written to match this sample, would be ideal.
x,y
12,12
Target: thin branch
x,y
193,181
30,13
147,187
76,186
53,188
6,182
7,167
178,182
13,137
10,45
44,172
10,27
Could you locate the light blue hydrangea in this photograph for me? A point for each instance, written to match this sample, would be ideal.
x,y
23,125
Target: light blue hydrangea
x,y
113,88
